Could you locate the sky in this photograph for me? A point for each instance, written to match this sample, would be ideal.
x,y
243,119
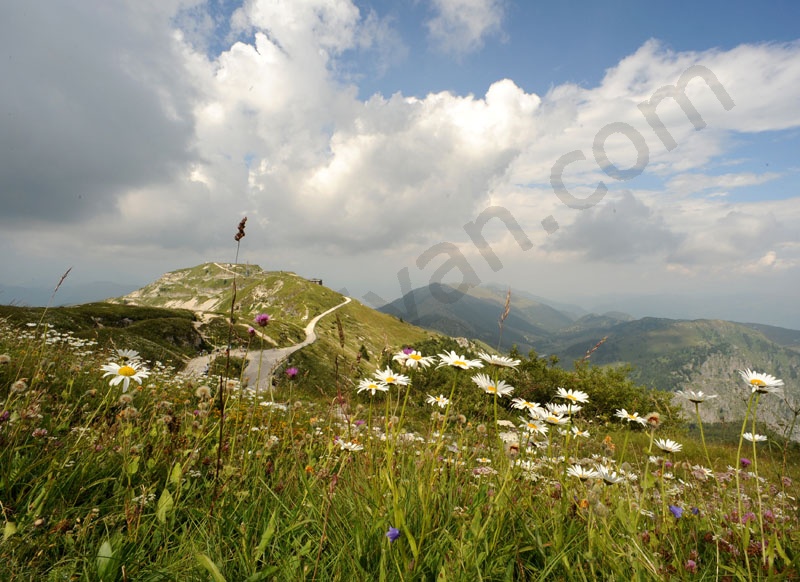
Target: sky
x,y
598,153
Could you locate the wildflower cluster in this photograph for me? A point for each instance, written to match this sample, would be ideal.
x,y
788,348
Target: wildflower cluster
x,y
299,474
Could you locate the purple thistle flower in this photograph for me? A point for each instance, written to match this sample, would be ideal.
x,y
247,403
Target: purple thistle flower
x,y
291,372
691,566
4,416
745,462
393,534
360,422
251,331
676,511
262,319
408,351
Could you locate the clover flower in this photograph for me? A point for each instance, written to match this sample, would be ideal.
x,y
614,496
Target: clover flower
x,y
291,372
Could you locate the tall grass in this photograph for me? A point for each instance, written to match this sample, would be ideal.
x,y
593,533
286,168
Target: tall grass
x,y
100,485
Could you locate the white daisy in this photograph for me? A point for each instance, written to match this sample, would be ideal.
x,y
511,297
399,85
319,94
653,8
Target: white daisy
x,y
576,432
389,377
754,438
563,409
501,361
439,401
574,396
413,359
499,388
457,361
630,417
128,355
350,446
761,383
608,475
668,445
372,386
123,374
582,473
532,426
556,419
695,397
522,404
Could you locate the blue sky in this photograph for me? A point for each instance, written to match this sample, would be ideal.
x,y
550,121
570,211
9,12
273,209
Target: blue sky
x,y
543,44
360,137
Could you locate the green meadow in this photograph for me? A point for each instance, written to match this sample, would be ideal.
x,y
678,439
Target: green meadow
x,y
424,460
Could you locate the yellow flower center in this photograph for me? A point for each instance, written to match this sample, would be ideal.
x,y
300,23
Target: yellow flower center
x,y
460,363
571,397
757,382
389,380
415,357
126,371
491,389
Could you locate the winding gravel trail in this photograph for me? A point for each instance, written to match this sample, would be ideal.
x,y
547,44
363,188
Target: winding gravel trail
x,y
261,363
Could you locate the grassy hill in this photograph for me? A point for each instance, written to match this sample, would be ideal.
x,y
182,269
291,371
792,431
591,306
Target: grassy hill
x,y
159,334
187,312
291,301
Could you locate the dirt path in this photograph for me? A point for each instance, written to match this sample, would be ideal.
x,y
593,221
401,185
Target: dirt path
x,y
261,363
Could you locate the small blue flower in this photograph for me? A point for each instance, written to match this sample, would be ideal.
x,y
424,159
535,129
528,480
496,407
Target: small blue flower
x,y
676,511
393,534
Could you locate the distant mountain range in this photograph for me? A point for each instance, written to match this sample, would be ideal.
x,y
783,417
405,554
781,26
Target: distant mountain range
x,y
68,294
668,354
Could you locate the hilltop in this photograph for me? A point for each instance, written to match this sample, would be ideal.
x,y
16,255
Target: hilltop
x,y
207,290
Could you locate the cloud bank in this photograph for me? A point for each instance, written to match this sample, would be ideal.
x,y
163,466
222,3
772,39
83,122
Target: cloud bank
x,y
128,140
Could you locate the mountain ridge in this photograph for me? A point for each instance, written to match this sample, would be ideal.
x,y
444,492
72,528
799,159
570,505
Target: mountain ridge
x,y
663,353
